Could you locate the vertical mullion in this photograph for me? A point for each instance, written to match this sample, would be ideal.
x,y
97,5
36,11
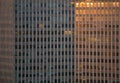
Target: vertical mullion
x,y
44,60
18,37
102,42
36,43
113,44
64,45
29,41
61,50
53,50
114,57
21,43
40,51
74,39
32,35
50,41
66,42
24,36
56,43
46,42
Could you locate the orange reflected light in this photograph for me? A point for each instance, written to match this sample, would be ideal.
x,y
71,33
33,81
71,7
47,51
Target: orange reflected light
x,y
102,4
117,4
98,4
87,4
113,3
72,3
67,32
91,4
77,4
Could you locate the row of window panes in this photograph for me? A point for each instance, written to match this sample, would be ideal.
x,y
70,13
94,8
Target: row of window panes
x,y
97,53
42,4
108,32
100,60
62,12
45,32
44,67
98,46
94,81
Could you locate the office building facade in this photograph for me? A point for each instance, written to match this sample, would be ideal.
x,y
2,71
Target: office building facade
x,y
60,41
97,39
44,41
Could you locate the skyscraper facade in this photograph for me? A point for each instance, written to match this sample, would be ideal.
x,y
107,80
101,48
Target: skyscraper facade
x,y
97,39
59,41
44,41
